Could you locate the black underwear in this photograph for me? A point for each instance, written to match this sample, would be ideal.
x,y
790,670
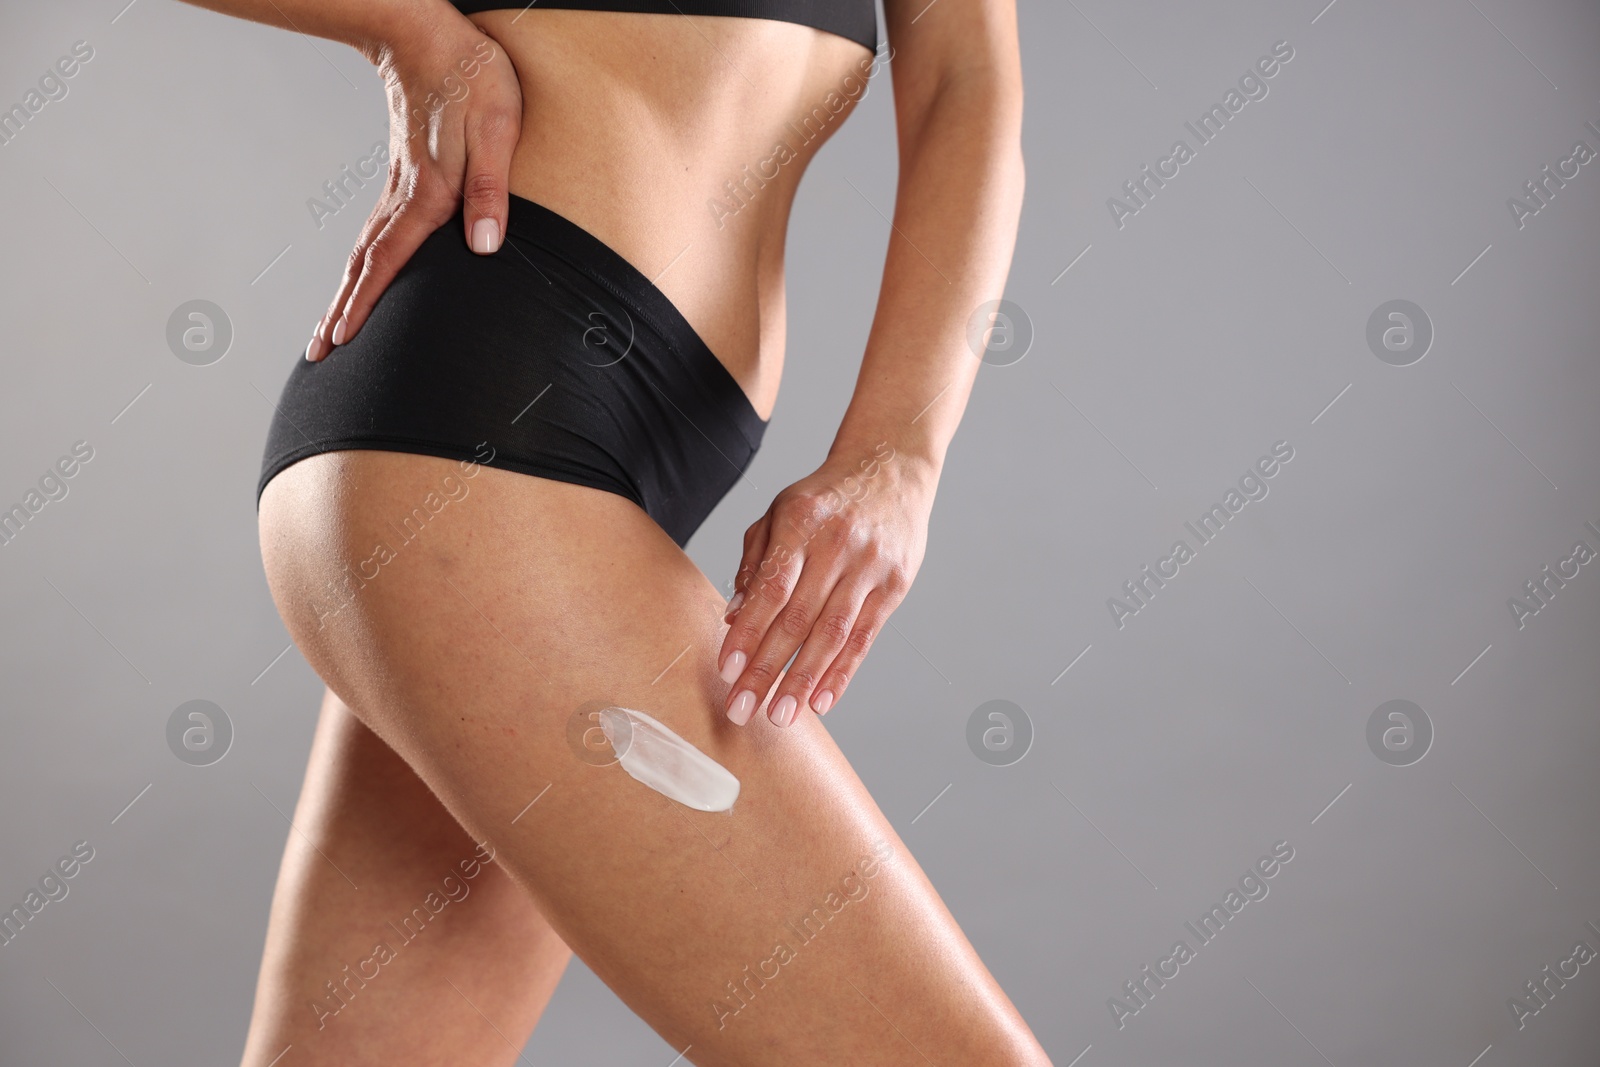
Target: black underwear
x,y
854,19
553,357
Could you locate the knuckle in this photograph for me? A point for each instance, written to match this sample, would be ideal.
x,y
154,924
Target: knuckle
x,y
795,619
377,258
497,123
897,580
859,539
408,183
860,640
777,584
800,680
874,549
760,676
835,629
805,510
482,186
746,635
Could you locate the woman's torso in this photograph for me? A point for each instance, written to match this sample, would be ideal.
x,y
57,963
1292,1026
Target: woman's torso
x,y
679,141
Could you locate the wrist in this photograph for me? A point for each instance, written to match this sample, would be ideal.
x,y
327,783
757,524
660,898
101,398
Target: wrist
x,y
408,33
906,464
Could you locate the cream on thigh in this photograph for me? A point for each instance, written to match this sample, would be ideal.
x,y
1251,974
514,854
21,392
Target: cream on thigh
x,y
470,616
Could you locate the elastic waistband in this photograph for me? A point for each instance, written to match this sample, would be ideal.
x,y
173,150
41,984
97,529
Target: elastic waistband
x,y
602,264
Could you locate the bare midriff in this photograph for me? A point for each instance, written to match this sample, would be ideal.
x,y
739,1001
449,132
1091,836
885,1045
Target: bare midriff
x,y
679,141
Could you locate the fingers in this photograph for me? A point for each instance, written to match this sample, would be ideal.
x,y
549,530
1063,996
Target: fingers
x,y
491,138
747,656
869,621
755,546
409,225
322,337
821,648
417,201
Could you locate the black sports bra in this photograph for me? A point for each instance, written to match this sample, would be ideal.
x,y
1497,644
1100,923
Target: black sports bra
x,y
854,19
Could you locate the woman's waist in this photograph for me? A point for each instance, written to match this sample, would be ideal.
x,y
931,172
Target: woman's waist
x,y
672,112
727,285
680,143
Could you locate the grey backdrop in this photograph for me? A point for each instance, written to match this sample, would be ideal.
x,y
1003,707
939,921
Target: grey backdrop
x,y
1230,312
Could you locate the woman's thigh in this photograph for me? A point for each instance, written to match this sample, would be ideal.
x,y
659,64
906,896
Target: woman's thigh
x,y
394,938
469,616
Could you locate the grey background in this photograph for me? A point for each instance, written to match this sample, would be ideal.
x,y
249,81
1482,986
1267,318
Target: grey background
x,y
1225,717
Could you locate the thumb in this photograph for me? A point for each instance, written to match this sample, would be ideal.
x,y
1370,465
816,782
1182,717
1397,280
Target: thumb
x,y
491,136
755,546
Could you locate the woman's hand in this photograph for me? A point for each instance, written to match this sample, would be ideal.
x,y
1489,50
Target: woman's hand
x,y
822,570
455,114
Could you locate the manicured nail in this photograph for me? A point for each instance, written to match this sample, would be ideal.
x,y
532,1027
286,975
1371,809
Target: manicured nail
x,y
485,236
735,604
823,701
744,706
314,349
783,711
339,329
733,667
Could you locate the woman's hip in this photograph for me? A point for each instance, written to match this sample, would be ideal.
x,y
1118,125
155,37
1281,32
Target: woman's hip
x,y
553,357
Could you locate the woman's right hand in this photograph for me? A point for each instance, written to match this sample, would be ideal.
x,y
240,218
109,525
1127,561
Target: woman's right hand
x,y
455,114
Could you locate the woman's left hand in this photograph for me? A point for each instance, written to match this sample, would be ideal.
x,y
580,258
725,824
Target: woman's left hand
x,y
822,570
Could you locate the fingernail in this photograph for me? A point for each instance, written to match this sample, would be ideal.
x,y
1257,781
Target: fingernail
x,y
314,349
783,711
485,236
733,667
823,701
744,705
339,329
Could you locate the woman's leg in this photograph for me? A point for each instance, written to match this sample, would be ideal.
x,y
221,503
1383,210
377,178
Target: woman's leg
x,y
466,963
468,633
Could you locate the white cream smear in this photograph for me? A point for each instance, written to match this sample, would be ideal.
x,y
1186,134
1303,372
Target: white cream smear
x,y
651,753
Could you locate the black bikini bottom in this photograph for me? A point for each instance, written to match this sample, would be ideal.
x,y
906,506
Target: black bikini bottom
x,y
553,357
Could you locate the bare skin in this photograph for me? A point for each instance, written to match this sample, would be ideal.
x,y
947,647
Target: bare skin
x,y
371,843
469,653
458,668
